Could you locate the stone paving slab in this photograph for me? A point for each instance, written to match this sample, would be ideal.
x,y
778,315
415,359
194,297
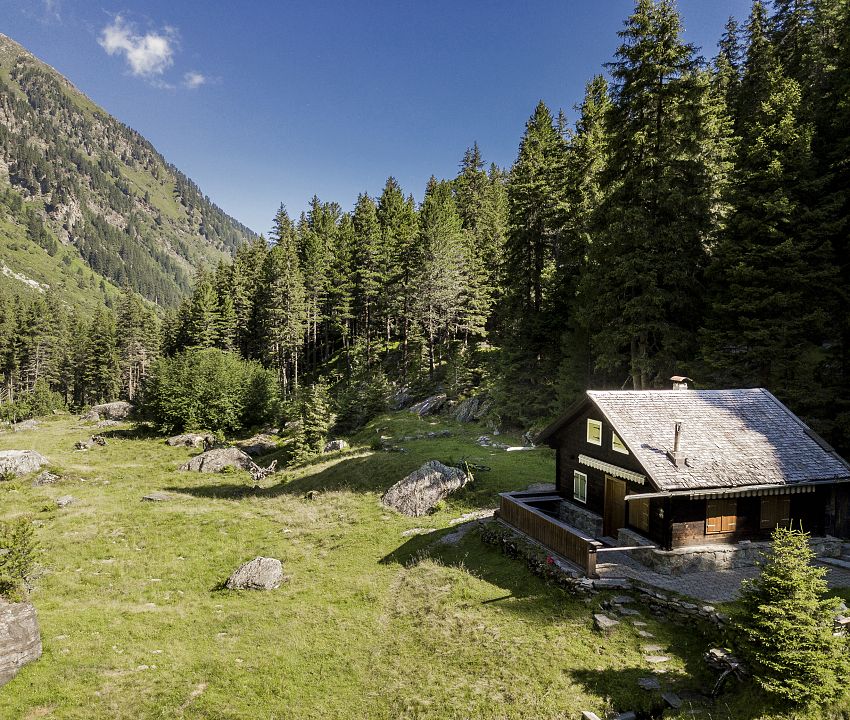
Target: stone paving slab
x,y
712,586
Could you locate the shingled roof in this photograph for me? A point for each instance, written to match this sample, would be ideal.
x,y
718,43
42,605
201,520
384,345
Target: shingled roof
x,y
730,438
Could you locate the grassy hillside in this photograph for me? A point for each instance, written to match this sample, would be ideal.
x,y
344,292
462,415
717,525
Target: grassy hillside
x,y
23,262
374,622
101,188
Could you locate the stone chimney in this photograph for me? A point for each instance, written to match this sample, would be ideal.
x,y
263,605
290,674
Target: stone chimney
x,y
680,382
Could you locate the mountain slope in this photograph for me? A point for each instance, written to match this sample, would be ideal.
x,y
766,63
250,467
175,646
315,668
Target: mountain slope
x,y
94,189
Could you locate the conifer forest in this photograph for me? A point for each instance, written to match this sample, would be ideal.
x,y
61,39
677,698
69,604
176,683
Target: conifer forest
x,y
689,216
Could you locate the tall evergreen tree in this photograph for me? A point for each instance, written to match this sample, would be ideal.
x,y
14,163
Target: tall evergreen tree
x,y
367,256
768,318
281,305
440,281
641,295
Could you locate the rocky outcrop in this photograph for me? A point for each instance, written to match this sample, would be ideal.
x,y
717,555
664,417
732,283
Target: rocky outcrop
x,y
429,406
20,640
20,462
65,501
45,478
194,440
217,459
261,573
419,492
261,444
119,410
400,399
335,446
473,408
25,425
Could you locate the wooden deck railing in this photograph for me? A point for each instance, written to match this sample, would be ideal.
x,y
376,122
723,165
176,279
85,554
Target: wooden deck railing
x,y
517,510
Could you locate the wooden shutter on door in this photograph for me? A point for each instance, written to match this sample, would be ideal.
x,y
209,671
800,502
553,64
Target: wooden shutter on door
x,y
775,511
639,514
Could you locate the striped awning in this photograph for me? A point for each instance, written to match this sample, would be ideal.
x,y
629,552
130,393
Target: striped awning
x,y
614,470
751,492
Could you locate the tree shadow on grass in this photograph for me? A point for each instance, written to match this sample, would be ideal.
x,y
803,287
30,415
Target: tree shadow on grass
x,y
693,688
137,431
354,472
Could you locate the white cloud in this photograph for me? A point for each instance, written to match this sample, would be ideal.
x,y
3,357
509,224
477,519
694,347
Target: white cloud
x,y
52,7
147,55
194,79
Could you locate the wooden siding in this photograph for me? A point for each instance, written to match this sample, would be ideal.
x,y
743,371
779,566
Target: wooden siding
x,y
555,535
571,441
689,518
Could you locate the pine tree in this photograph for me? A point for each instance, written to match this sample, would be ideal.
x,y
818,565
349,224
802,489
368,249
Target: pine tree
x,y
204,320
281,305
784,625
367,255
101,369
401,258
586,161
641,291
529,326
138,341
316,419
440,281
768,318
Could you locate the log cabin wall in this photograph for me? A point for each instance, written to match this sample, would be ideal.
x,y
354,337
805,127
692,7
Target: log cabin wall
x,y
688,519
571,441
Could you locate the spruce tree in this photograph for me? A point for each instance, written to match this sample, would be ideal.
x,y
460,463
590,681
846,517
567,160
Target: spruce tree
x,y
529,326
440,280
641,296
367,254
768,314
204,319
281,305
784,625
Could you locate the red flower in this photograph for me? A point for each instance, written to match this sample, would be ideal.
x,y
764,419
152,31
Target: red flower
x,y
550,560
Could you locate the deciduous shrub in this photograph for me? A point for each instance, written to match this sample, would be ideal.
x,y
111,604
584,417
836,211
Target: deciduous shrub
x,y
208,389
784,625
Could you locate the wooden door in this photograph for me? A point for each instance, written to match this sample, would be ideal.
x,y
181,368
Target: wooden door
x,y
615,506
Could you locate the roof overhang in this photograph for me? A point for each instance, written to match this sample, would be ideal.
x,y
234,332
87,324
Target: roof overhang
x,y
748,491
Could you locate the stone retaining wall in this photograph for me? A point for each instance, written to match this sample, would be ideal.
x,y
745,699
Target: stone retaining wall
x,y
588,522
700,558
541,563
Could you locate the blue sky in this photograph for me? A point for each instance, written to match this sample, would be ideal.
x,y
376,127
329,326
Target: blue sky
x,y
269,102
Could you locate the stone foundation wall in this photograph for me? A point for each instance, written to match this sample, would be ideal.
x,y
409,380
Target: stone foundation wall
x,y
700,558
588,522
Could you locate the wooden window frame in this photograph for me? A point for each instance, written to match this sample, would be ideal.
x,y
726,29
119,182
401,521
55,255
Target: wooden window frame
x,y
617,444
721,516
576,477
594,424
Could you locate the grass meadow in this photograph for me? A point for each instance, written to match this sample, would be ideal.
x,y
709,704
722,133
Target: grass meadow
x,y
372,623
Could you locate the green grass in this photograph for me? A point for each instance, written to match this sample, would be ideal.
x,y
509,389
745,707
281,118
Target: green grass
x,y
371,624
25,257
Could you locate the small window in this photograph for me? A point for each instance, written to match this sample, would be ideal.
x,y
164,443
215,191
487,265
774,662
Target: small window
x,y
594,432
617,444
580,486
721,515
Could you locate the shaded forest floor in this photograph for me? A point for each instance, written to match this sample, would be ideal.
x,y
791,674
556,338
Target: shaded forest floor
x,y
373,623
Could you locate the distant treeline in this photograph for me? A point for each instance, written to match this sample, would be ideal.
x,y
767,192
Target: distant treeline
x,y
692,218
